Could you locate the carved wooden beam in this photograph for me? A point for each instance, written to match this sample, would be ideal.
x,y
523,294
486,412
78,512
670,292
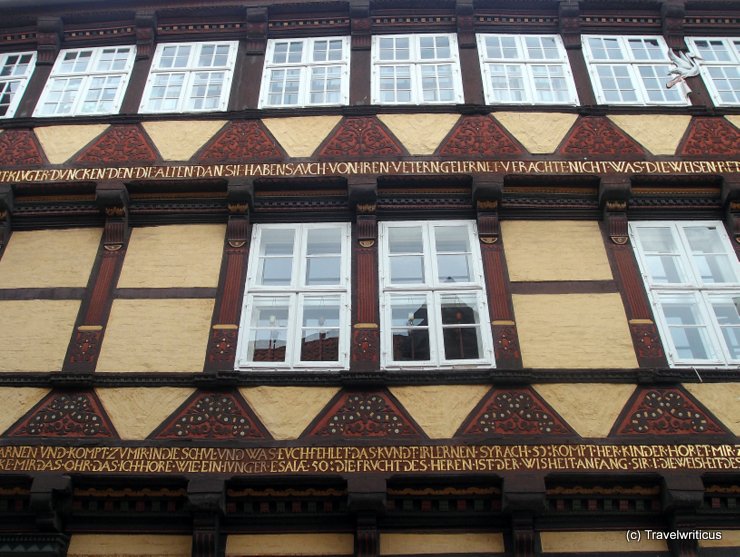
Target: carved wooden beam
x,y
360,24
569,17
6,210
614,194
256,30
206,500
672,13
465,23
146,34
731,202
49,38
366,500
523,499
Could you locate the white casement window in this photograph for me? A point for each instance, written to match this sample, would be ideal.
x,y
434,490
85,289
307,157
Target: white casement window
x,y
15,70
719,66
306,72
416,69
631,70
526,69
693,280
190,77
433,301
297,304
87,81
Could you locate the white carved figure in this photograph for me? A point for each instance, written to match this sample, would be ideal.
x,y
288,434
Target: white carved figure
x,y
686,66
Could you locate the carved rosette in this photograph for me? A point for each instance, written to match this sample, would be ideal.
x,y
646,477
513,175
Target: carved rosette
x,y
125,145
515,411
361,138
241,141
648,344
222,347
595,135
19,148
478,136
506,343
213,415
666,412
86,347
711,136
365,344
364,415
66,414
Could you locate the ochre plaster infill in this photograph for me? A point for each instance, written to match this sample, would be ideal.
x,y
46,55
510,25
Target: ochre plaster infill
x,y
658,133
179,140
440,409
287,411
589,408
136,412
437,544
125,545
421,134
565,543
722,399
60,143
16,402
301,136
539,132
239,545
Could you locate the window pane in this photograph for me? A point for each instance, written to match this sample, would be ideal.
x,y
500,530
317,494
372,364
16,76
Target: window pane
x,y
268,330
461,331
729,322
661,255
276,257
706,245
406,247
687,328
410,323
453,254
323,251
320,329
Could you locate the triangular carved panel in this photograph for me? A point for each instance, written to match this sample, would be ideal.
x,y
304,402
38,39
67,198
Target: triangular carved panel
x,y
666,411
364,415
514,412
598,136
120,145
212,415
478,136
361,138
19,148
68,414
711,136
241,141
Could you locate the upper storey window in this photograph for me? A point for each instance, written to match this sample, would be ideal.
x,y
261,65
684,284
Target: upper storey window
x,y
190,77
526,69
631,70
416,69
87,81
296,312
433,303
15,70
720,67
693,279
306,72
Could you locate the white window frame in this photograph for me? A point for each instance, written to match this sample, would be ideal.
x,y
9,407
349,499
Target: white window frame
x,y
416,65
296,292
21,80
732,45
632,65
189,73
433,290
87,77
527,66
692,290
305,68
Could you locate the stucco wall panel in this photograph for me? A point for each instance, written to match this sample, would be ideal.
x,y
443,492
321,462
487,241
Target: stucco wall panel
x,y
16,402
156,335
122,545
596,542
573,330
437,544
539,132
173,256
722,399
61,142
734,119
49,258
730,538
658,133
555,250
179,140
289,544
136,412
302,135
34,334
287,411
421,134
589,408
440,409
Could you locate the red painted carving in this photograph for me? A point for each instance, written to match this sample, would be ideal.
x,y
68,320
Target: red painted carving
x,y
213,415
121,145
365,344
241,141
66,414
595,135
86,347
478,136
361,138
222,348
711,136
517,412
19,148
648,345
506,346
355,414
666,411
